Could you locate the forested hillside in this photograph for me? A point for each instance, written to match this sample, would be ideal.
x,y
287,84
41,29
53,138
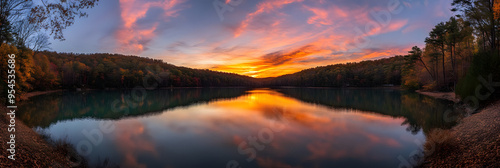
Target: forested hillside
x,y
51,70
460,54
119,71
386,71
37,71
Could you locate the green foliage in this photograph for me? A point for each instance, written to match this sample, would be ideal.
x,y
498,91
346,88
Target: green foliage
x,y
410,81
483,65
480,14
430,87
445,58
411,84
409,76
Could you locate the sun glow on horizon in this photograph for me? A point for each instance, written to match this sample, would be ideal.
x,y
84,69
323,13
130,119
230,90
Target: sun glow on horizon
x,y
262,38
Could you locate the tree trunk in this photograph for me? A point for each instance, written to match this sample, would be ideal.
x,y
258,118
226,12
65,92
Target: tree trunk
x,y
453,62
444,68
492,27
484,41
425,66
436,70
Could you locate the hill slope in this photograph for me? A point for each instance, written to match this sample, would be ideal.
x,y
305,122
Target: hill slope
x,y
386,71
51,70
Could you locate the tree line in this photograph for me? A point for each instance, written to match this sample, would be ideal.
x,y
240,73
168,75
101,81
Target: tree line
x,y
382,72
45,70
460,54
50,70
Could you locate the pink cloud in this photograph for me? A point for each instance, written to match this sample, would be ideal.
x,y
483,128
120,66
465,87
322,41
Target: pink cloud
x,y
262,7
131,37
327,16
273,28
320,17
393,26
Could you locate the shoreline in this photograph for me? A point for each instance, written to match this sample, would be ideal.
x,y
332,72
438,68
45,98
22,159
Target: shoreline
x,y
36,93
31,149
473,142
441,95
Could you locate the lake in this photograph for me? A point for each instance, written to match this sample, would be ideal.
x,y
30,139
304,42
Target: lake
x,y
237,127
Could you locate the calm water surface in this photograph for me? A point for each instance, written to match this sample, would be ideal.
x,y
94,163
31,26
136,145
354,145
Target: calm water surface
x,y
292,127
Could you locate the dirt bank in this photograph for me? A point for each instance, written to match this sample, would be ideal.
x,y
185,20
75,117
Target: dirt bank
x,y
31,150
474,142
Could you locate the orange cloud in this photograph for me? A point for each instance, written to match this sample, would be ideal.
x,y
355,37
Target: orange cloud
x,y
269,61
267,43
132,37
375,54
281,63
328,42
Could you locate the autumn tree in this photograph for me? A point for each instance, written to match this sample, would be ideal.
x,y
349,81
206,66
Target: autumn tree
x,y
496,10
453,36
480,13
24,66
437,39
416,55
55,16
465,47
27,18
44,77
9,9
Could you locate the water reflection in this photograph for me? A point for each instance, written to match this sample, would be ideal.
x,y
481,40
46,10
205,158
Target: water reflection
x,y
320,127
115,104
419,111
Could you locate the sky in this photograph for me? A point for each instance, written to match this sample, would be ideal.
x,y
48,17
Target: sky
x,y
258,38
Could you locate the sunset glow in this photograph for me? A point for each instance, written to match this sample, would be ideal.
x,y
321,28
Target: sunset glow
x,y
250,83
264,38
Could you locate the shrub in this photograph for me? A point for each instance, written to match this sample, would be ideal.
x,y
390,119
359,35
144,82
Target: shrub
x,y
430,86
437,140
483,65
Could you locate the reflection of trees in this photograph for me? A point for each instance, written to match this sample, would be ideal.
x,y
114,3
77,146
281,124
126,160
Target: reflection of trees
x,y
419,111
47,109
